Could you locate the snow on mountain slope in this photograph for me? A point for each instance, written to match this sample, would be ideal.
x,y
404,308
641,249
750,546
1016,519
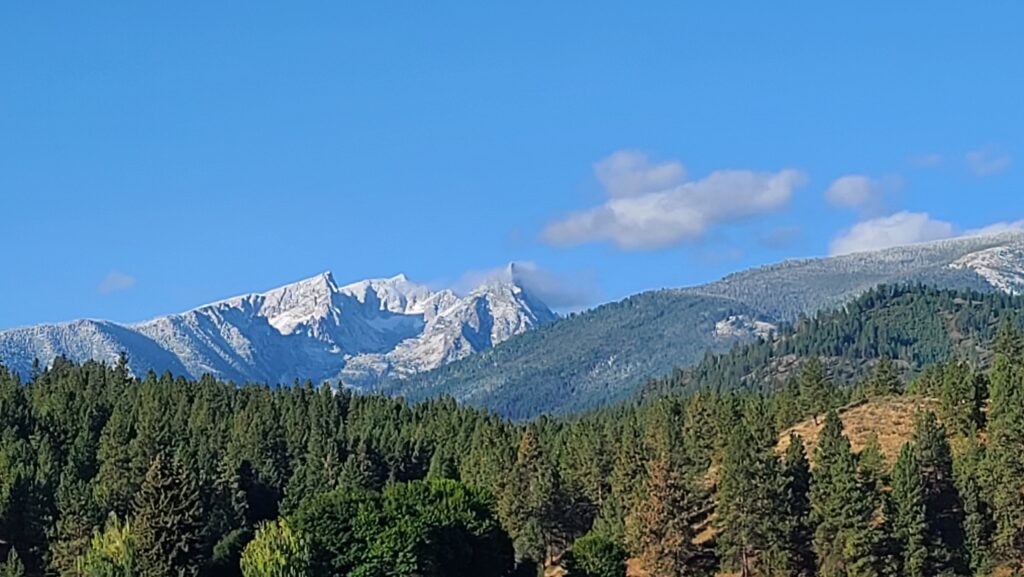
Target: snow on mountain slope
x,y
362,332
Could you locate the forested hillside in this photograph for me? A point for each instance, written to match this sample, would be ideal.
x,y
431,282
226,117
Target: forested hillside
x,y
916,326
585,361
103,474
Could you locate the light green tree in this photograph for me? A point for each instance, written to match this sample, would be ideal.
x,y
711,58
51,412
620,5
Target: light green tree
x,y
277,550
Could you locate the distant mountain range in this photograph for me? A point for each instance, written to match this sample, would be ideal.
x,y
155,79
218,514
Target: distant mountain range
x,y
361,333
499,346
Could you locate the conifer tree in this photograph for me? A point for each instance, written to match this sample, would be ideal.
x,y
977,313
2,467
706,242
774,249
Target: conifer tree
x,y
844,538
531,504
749,510
1009,342
799,533
908,515
167,523
1006,457
12,566
815,391
659,528
944,510
961,399
978,524
885,378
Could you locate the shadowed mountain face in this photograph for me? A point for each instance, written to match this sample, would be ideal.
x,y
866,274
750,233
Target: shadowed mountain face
x,y
604,354
362,333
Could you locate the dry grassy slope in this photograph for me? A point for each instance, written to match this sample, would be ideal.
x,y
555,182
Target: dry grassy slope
x,y
891,418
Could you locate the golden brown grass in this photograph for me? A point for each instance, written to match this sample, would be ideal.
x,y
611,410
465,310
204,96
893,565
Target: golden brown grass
x,y
890,418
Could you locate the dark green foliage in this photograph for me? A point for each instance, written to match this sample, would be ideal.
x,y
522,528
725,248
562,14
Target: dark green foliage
x,y
797,528
908,515
1005,461
750,508
844,540
595,556
167,523
425,528
77,442
944,511
913,326
962,395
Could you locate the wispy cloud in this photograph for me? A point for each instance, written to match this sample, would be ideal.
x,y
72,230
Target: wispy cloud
x,y
630,172
905,228
560,291
650,207
116,281
855,191
987,161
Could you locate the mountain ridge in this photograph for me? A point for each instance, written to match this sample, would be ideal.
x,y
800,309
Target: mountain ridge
x,y
312,328
562,368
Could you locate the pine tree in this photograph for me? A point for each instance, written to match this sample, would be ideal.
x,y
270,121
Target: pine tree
x,y
842,509
799,534
749,508
815,390
944,510
12,566
531,504
908,516
1006,457
167,523
885,378
978,523
1009,342
871,469
659,528
961,399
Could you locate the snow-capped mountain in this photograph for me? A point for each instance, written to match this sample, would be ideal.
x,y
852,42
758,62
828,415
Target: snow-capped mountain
x,y
362,333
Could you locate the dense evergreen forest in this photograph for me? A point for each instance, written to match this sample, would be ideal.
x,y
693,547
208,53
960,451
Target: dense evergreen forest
x,y
105,474
916,326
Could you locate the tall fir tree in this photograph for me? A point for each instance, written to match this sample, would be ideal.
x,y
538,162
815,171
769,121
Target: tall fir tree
x,y
1005,465
944,511
798,530
844,539
908,515
815,389
167,523
750,510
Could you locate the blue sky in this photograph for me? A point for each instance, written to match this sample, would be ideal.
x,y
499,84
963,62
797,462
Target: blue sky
x,y
154,157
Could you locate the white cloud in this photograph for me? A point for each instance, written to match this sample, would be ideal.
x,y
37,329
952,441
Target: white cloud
x,y
899,229
116,281
630,172
996,228
559,291
855,191
635,219
986,162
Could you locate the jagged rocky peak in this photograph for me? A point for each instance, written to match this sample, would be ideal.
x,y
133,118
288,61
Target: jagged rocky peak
x,y
396,294
302,303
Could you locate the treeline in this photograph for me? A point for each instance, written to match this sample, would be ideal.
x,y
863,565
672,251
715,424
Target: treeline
x,y
103,474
